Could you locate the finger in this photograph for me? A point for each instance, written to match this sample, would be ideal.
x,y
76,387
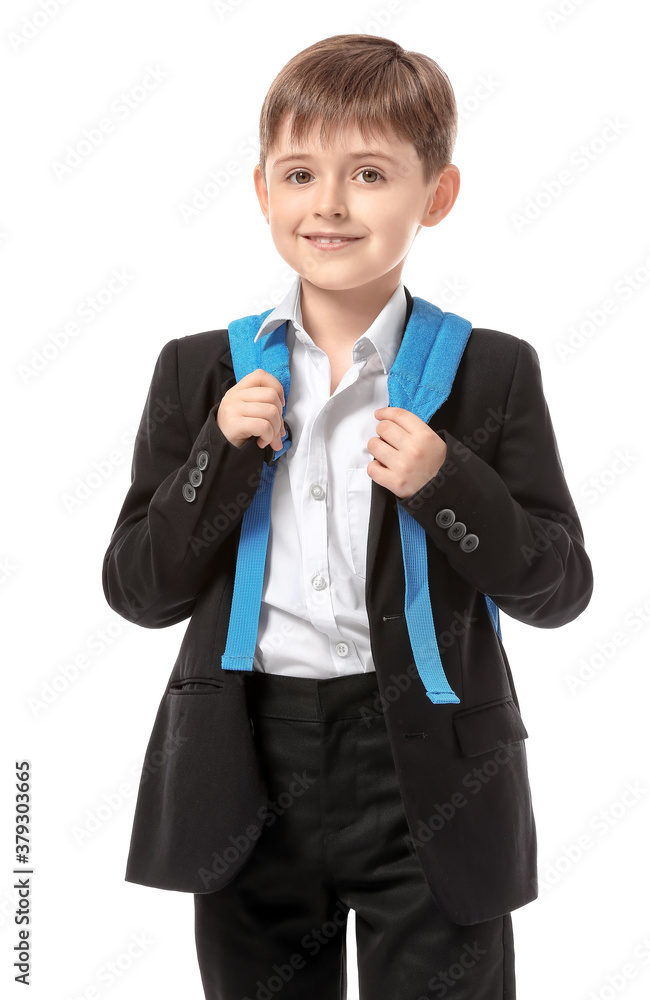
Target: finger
x,y
403,418
261,378
259,394
270,426
380,451
390,411
390,432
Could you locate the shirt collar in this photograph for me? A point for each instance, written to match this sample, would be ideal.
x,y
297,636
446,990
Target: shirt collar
x,y
383,336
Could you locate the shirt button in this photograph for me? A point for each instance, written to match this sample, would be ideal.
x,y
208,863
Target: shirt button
x,y
342,648
318,583
317,491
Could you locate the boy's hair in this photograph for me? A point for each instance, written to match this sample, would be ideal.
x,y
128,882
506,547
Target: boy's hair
x,y
368,81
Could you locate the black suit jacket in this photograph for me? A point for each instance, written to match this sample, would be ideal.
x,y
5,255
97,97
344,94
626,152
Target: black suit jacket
x,y
462,767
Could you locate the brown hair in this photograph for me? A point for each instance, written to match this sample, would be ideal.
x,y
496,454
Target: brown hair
x,y
369,81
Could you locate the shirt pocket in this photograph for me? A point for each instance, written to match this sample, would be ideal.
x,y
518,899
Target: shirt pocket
x,y
357,497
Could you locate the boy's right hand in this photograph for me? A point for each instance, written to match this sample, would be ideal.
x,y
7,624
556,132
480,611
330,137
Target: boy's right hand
x,y
253,406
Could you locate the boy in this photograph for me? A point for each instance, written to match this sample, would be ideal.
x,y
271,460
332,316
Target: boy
x,y
329,776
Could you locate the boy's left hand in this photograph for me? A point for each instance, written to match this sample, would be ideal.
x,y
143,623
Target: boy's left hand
x,y
407,455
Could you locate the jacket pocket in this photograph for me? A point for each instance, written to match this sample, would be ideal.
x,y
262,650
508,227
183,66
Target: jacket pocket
x,y
358,486
195,685
488,726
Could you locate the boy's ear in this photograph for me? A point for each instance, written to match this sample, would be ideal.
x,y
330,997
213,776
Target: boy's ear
x,y
443,197
261,190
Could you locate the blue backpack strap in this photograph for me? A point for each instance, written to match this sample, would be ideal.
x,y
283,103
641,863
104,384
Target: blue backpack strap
x,y
272,354
420,380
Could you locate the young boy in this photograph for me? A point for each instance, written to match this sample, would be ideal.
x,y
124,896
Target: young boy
x,y
369,759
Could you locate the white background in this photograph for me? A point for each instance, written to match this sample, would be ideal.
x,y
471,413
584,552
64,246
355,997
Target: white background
x,y
531,89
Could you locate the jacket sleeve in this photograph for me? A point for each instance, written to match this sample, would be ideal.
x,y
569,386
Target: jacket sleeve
x,y
166,543
530,558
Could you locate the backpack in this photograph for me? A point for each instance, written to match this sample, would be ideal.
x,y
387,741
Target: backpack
x,y
419,380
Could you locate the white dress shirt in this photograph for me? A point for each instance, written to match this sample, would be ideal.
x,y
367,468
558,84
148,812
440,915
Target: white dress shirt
x,y
313,619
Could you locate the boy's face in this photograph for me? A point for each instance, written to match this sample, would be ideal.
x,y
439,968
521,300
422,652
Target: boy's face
x,y
373,191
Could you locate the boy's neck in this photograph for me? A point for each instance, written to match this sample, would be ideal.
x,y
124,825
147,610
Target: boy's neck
x,y
336,319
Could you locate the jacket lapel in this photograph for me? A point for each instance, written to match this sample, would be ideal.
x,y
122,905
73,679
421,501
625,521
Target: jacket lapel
x,y
379,495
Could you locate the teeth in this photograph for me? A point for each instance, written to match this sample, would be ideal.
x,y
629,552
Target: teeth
x,y
322,239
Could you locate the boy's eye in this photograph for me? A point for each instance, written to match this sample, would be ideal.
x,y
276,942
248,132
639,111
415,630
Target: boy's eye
x,y
365,170
295,172
370,170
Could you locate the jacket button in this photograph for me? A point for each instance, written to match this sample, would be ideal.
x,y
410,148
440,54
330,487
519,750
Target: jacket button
x,y
202,460
189,492
469,543
445,518
457,530
196,477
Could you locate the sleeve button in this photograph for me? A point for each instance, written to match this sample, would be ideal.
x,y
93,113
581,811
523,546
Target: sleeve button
x,y
445,518
469,543
202,460
457,530
196,477
189,492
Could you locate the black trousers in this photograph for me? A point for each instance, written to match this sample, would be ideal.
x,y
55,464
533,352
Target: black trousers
x,y
335,841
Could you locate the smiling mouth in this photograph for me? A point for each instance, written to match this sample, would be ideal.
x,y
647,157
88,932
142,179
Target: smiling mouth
x,y
332,239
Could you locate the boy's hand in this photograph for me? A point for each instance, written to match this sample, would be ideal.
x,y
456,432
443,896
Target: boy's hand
x,y
253,406
407,454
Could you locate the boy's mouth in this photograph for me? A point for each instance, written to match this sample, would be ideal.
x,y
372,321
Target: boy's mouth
x,y
330,241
